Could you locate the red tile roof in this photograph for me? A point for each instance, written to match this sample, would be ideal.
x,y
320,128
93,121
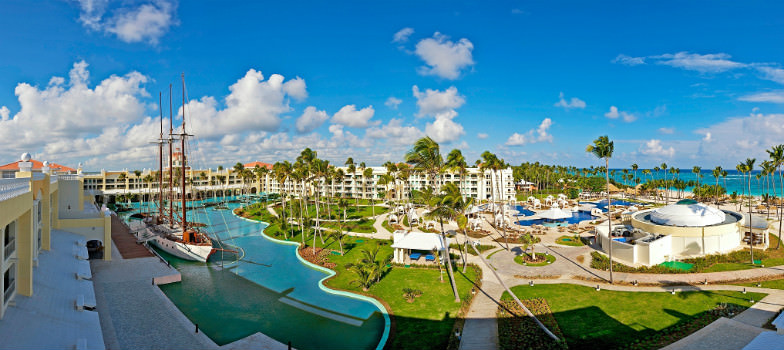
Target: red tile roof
x,y
252,165
37,165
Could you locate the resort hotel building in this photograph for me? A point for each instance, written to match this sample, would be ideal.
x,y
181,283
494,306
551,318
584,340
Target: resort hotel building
x,y
682,230
213,182
46,226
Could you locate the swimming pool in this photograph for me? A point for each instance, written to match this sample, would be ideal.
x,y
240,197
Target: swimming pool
x,y
602,204
269,290
577,216
524,211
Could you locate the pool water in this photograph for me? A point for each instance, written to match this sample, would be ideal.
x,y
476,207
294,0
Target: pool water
x,y
577,216
267,289
524,211
602,204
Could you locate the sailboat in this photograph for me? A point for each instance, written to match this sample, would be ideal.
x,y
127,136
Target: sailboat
x,y
169,229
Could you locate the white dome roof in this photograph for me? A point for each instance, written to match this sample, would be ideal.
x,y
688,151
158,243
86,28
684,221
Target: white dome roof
x,y
690,214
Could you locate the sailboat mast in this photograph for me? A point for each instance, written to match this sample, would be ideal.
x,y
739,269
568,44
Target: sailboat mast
x,y
182,156
171,168
160,159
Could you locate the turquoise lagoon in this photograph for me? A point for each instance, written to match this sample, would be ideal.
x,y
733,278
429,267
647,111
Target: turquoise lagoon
x,y
267,288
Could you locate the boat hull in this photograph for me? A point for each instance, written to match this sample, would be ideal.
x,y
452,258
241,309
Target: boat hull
x,y
182,250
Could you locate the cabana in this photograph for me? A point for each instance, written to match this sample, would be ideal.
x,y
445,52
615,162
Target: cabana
x,y
537,204
759,230
393,219
555,214
409,244
413,219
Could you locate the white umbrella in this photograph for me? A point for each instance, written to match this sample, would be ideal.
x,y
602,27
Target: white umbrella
x,y
555,214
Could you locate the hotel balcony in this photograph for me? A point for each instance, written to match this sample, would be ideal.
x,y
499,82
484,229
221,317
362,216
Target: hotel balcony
x,y
9,292
9,250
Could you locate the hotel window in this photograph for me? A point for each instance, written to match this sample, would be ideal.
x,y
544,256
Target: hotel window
x,y
9,284
9,234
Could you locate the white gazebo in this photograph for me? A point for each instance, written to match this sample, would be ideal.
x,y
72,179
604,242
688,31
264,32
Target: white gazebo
x,y
404,242
555,214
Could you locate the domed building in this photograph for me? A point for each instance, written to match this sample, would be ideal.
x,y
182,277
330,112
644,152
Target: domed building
x,y
682,230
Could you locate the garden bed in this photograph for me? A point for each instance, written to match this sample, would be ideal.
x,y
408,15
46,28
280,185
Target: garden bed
x,y
542,259
516,330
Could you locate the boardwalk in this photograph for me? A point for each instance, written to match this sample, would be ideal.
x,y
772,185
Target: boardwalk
x,y
126,242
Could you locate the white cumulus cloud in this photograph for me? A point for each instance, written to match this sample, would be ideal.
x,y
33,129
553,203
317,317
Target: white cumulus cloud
x,y
395,132
540,134
253,104
443,57
130,22
433,102
392,102
654,148
574,102
402,35
351,117
614,113
444,129
310,119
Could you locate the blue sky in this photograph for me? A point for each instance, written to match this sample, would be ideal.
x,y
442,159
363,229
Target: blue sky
x,y
684,83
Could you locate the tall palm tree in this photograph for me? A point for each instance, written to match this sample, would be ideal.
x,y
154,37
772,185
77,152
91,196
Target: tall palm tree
x,y
748,166
716,174
351,168
368,174
666,187
446,207
697,170
456,162
603,148
741,168
425,156
768,168
776,154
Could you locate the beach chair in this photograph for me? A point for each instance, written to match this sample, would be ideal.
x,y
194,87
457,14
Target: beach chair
x,y
430,257
415,256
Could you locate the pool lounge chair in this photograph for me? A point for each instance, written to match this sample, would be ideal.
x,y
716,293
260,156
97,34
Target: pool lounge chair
x,y
415,256
430,257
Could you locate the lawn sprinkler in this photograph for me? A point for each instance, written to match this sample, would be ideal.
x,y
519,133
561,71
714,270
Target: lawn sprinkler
x,y
531,283
744,290
598,288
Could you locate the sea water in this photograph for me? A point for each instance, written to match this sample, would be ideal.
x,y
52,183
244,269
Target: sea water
x,y
735,181
266,288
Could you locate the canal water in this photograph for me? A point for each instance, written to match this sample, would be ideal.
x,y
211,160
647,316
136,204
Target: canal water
x,y
266,288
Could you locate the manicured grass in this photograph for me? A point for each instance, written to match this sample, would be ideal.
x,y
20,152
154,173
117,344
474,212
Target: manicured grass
x,y
481,248
428,321
610,319
774,284
352,212
573,241
549,259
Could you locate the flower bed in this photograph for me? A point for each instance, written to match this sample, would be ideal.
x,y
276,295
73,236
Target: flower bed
x,y
541,259
518,331
319,258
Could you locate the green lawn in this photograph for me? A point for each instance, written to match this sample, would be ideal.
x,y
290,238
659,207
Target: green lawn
x,y
610,319
425,323
570,240
774,284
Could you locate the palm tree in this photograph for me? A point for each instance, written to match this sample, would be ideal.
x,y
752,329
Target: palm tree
x,y
697,170
446,208
748,166
666,187
368,174
351,168
768,168
425,155
603,148
776,154
716,173
456,162
741,169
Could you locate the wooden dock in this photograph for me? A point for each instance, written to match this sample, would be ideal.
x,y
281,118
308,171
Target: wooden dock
x,y
126,242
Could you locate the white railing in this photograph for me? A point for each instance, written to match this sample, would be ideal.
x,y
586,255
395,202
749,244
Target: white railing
x,y
38,176
52,178
10,188
9,249
69,177
9,291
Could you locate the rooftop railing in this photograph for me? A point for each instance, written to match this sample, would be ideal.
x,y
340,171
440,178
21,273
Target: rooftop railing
x,y
11,188
69,177
52,178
